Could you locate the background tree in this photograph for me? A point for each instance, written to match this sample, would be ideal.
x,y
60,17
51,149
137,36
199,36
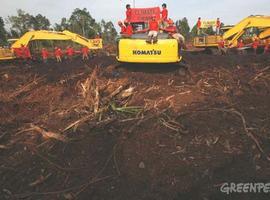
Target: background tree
x,y
64,25
12,34
3,33
183,27
23,22
209,31
81,22
40,22
108,32
20,23
193,31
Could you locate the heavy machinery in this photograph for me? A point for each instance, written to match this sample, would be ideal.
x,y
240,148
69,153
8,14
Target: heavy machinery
x,y
245,29
7,53
209,41
136,50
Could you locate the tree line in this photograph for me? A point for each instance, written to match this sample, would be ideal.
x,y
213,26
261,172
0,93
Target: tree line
x,y
80,22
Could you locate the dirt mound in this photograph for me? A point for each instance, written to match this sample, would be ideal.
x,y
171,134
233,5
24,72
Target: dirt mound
x,y
100,130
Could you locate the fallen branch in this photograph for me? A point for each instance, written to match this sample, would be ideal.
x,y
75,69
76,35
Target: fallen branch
x,y
127,109
90,91
260,74
173,125
80,121
56,165
97,100
144,119
115,161
41,179
265,69
187,92
25,195
93,124
87,184
45,134
247,130
25,88
3,146
116,92
168,125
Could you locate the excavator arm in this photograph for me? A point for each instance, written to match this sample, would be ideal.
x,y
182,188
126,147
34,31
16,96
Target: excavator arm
x,y
90,43
238,30
52,35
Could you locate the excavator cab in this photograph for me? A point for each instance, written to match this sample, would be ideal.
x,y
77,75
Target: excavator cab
x,y
135,49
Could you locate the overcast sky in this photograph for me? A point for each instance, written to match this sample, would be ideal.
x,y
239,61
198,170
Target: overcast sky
x,y
230,11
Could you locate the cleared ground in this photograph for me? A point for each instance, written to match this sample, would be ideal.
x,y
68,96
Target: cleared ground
x,y
106,131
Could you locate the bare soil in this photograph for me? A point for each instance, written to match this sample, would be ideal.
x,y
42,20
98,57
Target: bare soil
x,y
102,130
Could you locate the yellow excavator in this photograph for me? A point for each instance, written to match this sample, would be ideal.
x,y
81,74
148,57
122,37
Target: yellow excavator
x,y
258,25
8,54
135,49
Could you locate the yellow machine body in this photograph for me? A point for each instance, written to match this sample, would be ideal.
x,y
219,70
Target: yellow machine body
x,y
6,54
265,34
206,41
138,51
